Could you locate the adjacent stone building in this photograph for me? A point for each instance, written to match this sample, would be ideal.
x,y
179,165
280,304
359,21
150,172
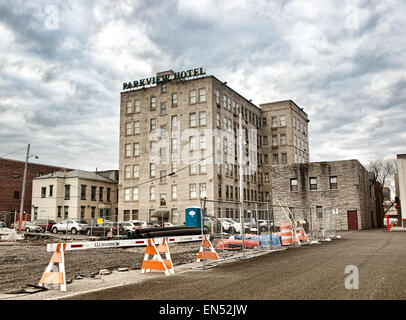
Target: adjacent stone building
x,y
75,194
345,187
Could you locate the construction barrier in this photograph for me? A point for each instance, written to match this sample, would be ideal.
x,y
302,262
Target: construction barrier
x,y
212,255
157,262
286,234
55,275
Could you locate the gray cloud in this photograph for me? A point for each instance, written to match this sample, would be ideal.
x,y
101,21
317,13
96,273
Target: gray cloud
x,y
343,61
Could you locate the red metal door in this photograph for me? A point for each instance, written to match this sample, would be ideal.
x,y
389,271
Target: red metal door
x,y
352,220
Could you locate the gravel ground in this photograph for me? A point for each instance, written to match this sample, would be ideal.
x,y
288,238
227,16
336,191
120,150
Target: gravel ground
x,y
22,263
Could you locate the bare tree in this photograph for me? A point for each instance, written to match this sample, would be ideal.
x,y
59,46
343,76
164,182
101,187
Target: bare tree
x,y
384,171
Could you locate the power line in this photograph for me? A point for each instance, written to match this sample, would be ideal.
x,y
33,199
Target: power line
x,y
12,152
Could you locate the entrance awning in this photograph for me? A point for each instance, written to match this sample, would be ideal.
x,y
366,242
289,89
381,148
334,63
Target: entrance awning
x,y
161,213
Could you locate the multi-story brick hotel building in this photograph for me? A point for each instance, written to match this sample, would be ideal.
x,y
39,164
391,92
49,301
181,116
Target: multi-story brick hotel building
x,y
179,136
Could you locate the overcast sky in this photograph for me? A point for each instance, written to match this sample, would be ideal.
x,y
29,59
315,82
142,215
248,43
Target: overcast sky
x,y
62,65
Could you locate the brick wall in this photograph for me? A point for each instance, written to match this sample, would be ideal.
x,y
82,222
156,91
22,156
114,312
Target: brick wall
x,y
11,181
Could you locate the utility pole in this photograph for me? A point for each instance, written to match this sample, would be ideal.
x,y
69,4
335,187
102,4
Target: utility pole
x,y
241,175
23,191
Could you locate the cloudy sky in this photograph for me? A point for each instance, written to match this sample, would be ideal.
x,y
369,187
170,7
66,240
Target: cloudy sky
x,y
62,65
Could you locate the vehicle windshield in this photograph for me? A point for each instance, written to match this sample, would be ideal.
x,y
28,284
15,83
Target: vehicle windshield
x,y
82,221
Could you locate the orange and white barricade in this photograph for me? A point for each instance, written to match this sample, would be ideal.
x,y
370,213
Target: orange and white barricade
x,y
157,262
302,235
54,276
286,234
207,255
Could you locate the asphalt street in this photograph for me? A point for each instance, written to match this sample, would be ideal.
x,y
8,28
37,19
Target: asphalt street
x,y
308,272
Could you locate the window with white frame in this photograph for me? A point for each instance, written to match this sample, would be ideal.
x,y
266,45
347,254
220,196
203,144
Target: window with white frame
x,y
136,149
136,127
192,120
192,190
202,118
174,123
135,194
137,106
192,167
174,99
283,139
174,192
313,183
129,107
152,168
136,171
152,193
163,108
127,172
192,96
128,129
293,184
192,143
282,120
202,166
174,145
202,95
218,120
153,103
128,149
217,97
152,124
127,194
274,121
202,188
152,145
202,142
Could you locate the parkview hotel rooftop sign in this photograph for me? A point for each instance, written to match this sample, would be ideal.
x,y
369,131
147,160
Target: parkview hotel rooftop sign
x,y
163,78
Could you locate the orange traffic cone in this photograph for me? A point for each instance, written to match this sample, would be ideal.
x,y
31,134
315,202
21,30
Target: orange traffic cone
x,y
51,276
212,255
157,263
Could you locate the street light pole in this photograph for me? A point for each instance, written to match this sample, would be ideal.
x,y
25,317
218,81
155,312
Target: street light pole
x,y
23,191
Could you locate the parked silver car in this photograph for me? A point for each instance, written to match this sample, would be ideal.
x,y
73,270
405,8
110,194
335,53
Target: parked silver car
x,y
31,227
72,225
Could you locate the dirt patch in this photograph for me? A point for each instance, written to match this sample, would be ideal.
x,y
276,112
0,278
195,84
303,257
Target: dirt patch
x,y
23,263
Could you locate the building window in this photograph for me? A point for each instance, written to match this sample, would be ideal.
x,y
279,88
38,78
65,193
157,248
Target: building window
x,y
174,100
192,190
174,215
51,190
93,212
275,140
192,96
275,158
83,192
219,190
93,193
202,95
136,149
162,176
152,170
152,193
127,194
59,214
162,199
108,194
135,194
333,183
265,140
218,120
136,171
174,192
192,167
82,212
284,158
129,107
313,183
319,212
128,129
225,102
274,122
174,145
134,215
126,215
163,108
202,166
202,188
44,191
162,153
265,158
128,149
283,139
192,120
16,195
174,123
163,88
101,193
202,118
137,106
153,103
217,97
127,172
266,177
202,142
293,185
65,212
152,124
192,143
67,192
136,127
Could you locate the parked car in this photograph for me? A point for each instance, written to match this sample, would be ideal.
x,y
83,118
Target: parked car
x,y
31,227
127,228
3,224
72,225
103,229
142,223
45,224
168,224
263,225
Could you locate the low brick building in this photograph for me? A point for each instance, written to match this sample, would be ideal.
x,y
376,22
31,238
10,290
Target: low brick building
x,y
344,186
11,182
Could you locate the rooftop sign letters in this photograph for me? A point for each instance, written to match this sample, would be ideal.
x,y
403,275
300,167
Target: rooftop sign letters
x,y
164,78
